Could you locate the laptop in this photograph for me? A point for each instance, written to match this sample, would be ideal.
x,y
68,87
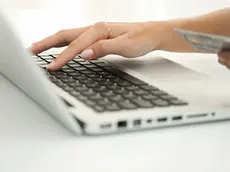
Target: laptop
x,y
113,95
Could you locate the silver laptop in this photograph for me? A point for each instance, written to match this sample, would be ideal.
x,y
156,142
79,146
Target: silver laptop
x,y
113,95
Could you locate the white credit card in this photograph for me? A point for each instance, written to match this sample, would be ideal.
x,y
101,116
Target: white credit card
x,y
205,42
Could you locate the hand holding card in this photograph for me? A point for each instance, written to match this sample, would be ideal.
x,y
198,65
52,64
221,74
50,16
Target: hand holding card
x,y
204,42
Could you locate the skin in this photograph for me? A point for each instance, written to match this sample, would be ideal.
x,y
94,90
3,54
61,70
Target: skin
x,y
133,39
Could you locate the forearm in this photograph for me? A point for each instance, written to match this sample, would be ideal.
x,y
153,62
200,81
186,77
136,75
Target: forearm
x,y
217,22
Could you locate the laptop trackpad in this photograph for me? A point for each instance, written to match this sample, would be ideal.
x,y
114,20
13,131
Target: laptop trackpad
x,y
175,79
158,69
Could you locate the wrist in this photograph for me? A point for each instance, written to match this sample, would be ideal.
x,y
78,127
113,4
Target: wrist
x,y
168,40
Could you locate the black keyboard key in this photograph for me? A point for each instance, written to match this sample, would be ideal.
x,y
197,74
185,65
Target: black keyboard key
x,y
93,85
140,92
75,93
68,70
121,91
158,92
87,72
130,95
70,79
132,88
67,88
126,104
65,67
80,78
77,59
62,76
160,102
106,83
177,102
112,107
96,97
142,103
74,73
104,101
52,78
84,62
117,98
104,73
103,64
82,97
87,81
99,79
168,97
94,76
124,84
74,65
90,103
89,92
113,77
113,87
108,93
149,97
59,83
90,65
101,89
95,69
125,76
65,80
80,68
81,88
75,84
96,61
148,87
99,108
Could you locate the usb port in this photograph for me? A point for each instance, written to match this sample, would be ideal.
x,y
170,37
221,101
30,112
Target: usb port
x,y
105,126
163,119
122,124
177,118
137,122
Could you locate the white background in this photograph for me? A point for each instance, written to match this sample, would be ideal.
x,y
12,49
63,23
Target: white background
x,y
43,149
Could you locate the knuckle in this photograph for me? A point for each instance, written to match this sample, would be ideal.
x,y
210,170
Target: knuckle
x,y
61,32
101,30
100,25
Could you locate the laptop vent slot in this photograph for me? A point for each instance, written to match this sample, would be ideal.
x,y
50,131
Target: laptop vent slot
x,y
201,115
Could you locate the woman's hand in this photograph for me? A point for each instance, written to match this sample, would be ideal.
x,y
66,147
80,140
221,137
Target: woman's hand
x,y
100,39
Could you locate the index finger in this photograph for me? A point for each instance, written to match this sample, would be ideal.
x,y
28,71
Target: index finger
x,y
59,39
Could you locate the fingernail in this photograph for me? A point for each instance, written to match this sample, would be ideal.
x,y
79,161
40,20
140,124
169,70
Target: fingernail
x,y
87,54
51,65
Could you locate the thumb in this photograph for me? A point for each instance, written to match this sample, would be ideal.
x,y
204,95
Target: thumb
x,y
102,48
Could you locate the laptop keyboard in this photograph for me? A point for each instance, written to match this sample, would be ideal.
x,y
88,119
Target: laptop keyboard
x,y
105,88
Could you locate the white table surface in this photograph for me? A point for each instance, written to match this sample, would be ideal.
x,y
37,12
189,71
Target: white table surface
x,y
33,142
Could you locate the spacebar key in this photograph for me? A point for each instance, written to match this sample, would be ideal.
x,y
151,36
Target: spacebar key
x,y
125,76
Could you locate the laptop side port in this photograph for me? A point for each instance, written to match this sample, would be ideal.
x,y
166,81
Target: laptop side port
x,y
149,121
177,118
201,115
136,122
105,126
162,119
122,124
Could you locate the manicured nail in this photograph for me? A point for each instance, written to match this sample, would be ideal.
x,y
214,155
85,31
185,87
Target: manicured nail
x,y
87,54
51,65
